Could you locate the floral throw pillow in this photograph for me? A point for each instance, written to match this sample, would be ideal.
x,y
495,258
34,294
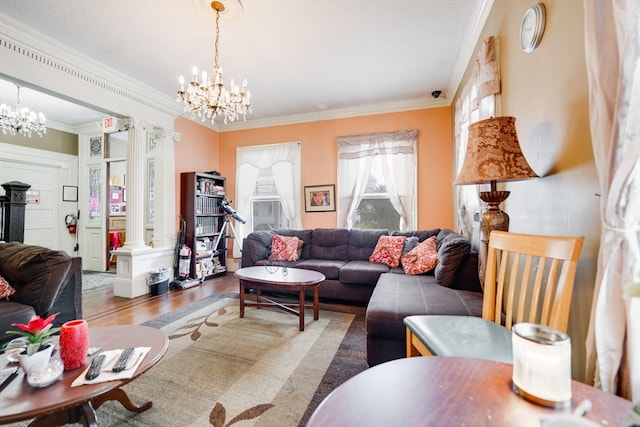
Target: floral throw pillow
x,y
422,258
388,250
6,290
285,248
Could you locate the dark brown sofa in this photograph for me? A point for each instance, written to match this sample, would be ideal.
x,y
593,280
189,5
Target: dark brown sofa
x,y
342,256
46,281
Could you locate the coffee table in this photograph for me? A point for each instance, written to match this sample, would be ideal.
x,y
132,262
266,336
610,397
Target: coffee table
x,y
60,403
449,391
274,278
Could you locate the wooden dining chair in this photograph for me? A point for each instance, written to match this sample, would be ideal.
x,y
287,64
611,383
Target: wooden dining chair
x,y
528,278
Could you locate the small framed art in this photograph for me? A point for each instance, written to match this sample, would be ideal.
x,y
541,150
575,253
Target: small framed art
x,y
69,193
319,198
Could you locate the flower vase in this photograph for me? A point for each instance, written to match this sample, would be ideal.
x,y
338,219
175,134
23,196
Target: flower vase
x,y
74,343
39,358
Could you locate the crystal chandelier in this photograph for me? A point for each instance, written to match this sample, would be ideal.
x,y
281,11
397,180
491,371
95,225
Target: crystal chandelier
x,y
209,98
21,120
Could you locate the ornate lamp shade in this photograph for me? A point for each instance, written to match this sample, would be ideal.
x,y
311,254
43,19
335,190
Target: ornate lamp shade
x,y
493,154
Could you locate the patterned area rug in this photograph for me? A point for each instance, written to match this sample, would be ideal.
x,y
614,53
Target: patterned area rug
x,y
221,370
95,281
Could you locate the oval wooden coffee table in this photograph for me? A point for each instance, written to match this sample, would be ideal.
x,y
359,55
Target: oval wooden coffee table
x,y
449,391
60,403
274,278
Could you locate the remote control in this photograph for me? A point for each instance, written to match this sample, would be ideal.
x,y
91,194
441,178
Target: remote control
x,y
123,360
96,367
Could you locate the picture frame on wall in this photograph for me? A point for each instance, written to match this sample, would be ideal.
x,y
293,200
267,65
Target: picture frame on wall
x,y
319,198
69,193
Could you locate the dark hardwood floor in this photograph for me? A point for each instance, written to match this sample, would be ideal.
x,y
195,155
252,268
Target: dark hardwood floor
x,y
101,308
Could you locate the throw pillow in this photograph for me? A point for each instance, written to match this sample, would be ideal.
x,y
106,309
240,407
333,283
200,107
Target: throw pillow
x,y
285,248
388,250
422,258
6,290
452,250
409,244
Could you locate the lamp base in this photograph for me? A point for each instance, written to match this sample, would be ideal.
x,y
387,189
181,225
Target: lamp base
x,y
493,218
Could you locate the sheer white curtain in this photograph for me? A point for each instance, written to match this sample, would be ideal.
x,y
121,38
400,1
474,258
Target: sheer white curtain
x,y
397,151
612,46
284,161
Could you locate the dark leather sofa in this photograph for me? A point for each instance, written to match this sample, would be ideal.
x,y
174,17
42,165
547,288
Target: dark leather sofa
x,y
46,281
342,255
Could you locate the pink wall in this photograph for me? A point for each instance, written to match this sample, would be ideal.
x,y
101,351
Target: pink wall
x,y
197,151
319,158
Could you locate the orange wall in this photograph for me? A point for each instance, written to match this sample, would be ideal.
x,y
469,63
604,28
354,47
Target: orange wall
x,y
319,157
197,150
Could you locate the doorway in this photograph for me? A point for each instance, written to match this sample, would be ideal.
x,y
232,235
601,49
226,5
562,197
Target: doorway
x,y
116,151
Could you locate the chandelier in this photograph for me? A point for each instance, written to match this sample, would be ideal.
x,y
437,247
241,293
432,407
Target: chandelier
x,y
21,120
208,97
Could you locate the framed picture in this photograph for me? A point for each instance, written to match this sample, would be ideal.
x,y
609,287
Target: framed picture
x,y
115,208
69,193
319,198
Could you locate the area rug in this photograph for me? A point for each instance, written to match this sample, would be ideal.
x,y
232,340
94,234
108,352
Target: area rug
x,y
95,281
221,370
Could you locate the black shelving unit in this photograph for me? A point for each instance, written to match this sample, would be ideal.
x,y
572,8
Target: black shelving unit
x,y
201,196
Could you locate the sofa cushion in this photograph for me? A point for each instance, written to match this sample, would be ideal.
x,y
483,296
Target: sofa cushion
x,y
398,295
362,272
329,243
285,248
37,273
388,250
362,242
329,267
452,250
422,258
422,235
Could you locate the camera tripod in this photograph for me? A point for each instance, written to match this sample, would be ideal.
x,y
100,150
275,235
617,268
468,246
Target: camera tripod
x,y
223,230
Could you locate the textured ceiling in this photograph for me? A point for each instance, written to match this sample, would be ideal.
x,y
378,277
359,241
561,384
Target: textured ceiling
x,y
299,56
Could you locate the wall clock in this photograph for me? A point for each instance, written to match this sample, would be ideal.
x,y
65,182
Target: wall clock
x,y
532,27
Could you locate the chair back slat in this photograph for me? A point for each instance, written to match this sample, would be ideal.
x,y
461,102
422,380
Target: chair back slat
x,y
529,278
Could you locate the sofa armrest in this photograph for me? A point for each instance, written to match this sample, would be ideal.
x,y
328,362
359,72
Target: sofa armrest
x,y
467,276
255,247
69,302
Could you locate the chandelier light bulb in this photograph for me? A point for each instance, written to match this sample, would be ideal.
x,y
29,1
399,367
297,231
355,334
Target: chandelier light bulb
x,y
209,98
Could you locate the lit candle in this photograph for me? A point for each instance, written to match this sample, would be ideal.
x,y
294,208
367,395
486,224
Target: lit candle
x,y
195,74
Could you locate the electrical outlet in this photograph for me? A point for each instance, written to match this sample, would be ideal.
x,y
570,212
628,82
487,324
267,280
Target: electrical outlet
x,y
476,216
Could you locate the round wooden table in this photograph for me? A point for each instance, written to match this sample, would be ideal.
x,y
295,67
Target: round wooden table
x,y
60,403
282,279
448,391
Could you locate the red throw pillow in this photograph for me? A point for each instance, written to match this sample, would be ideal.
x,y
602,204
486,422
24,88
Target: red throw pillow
x,y
422,258
6,290
388,250
285,248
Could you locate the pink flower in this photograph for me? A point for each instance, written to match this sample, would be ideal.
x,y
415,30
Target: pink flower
x,y
38,332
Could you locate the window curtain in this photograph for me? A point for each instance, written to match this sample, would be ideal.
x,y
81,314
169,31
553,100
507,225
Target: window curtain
x,y
477,101
399,165
612,47
284,161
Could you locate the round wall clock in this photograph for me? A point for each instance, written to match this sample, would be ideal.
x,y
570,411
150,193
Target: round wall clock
x,y
532,27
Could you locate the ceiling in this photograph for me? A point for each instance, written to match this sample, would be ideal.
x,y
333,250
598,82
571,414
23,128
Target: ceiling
x,y
303,59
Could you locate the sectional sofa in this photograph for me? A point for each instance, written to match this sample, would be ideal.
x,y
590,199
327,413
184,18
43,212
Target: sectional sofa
x,y
342,255
42,281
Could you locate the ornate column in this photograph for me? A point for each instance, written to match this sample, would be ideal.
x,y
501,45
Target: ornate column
x,y
138,130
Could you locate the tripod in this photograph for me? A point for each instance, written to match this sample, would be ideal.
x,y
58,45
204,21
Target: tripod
x,y
227,222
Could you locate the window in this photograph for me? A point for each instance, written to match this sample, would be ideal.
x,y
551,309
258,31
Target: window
x,y
377,181
266,212
268,188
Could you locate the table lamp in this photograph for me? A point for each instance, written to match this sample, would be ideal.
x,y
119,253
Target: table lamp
x,y
493,154
542,364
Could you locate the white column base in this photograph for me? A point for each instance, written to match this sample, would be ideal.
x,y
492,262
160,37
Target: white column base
x,y
133,266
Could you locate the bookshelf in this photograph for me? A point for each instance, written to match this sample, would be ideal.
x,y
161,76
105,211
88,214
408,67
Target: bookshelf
x,y
201,195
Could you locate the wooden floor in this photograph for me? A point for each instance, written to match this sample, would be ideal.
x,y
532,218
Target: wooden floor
x,y
101,308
